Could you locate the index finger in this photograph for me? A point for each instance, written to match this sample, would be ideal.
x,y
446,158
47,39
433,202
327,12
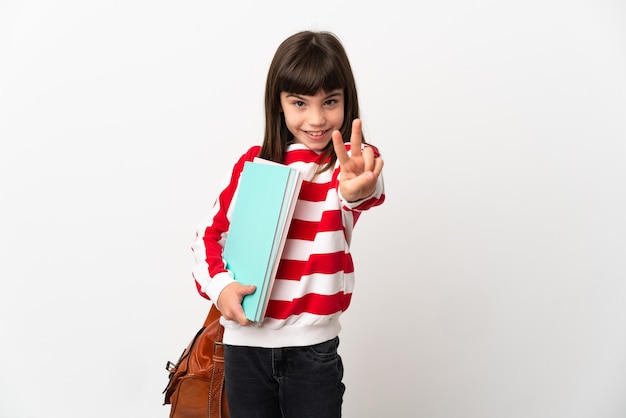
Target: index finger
x,y
340,148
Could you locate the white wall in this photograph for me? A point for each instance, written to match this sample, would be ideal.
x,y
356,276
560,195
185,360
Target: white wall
x,y
490,284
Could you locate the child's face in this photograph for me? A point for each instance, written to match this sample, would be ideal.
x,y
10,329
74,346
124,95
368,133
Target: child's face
x,y
312,119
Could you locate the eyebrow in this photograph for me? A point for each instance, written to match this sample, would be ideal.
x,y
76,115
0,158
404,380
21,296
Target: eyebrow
x,y
329,96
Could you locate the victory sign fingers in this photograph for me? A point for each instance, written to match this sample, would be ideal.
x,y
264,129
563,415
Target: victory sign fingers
x,y
360,169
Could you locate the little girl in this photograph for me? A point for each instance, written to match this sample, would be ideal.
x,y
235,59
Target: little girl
x,y
287,365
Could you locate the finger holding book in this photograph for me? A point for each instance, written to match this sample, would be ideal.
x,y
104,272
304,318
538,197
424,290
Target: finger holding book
x,y
229,302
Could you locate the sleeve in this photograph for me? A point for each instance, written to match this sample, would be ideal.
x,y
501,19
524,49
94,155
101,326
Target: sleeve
x,y
209,272
375,199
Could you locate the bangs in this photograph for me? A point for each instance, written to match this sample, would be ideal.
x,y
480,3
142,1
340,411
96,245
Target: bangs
x,y
312,72
306,64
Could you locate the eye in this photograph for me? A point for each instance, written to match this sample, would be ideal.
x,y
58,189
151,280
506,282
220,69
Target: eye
x,y
331,102
299,103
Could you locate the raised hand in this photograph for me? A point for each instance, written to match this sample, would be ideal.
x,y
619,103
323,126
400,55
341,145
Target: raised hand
x,y
360,169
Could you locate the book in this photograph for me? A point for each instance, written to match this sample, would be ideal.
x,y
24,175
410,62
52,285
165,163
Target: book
x,y
261,216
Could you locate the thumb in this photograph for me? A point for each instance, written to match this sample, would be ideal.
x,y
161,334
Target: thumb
x,y
363,185
248,290
363,180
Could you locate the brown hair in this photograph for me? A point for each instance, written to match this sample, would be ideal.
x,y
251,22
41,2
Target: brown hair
x,y
306,63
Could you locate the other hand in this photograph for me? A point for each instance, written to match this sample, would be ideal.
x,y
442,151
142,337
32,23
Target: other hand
x,y
229,302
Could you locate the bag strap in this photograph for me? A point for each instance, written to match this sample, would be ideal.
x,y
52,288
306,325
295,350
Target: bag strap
x,y
217,405
214,314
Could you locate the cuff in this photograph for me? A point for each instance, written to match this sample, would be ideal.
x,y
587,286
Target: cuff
x,y
214,287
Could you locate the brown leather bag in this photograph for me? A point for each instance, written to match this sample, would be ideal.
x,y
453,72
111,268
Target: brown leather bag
x,y
196,381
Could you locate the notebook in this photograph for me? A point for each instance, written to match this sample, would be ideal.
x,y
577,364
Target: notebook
x,y
263,209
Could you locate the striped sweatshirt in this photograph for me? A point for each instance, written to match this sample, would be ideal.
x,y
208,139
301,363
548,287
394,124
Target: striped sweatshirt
x,y
315,277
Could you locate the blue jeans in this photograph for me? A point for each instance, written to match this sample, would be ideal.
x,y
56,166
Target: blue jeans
x,y
291,382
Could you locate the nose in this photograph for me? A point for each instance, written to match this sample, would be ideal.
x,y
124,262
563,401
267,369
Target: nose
x,y
317,116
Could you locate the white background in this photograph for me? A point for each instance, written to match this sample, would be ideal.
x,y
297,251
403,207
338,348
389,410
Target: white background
x,y
491,284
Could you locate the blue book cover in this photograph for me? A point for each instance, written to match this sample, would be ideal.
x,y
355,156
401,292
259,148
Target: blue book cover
x,y
262,212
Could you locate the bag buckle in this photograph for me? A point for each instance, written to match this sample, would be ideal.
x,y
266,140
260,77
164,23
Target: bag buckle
x,y
170,367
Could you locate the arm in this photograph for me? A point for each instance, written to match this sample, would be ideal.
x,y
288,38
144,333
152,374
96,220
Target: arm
x,y
212,278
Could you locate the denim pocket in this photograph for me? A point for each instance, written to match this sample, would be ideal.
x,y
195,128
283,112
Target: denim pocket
x,y
327,349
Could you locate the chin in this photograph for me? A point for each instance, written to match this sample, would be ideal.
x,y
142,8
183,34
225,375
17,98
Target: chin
x,y
315,146
318,147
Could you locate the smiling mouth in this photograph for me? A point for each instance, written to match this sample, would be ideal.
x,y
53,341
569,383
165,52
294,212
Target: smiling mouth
x,y
317,133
